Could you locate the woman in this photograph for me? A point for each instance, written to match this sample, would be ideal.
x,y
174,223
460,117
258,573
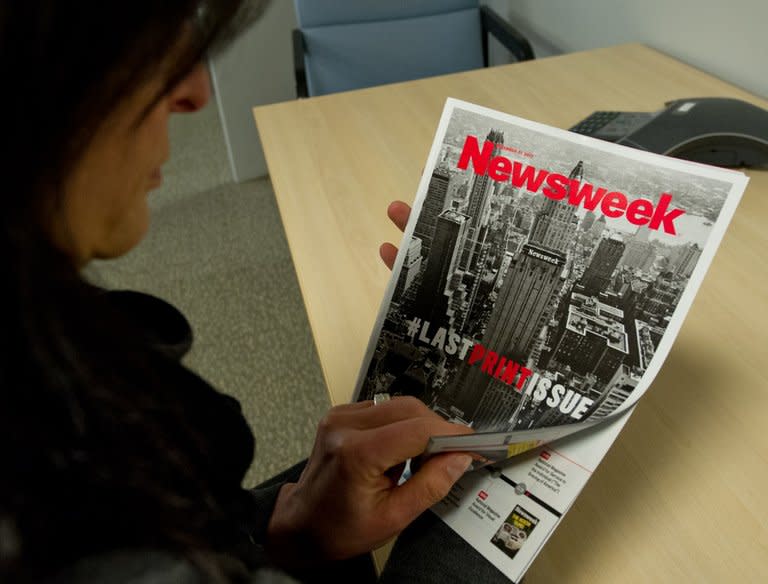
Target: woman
x,y
115,458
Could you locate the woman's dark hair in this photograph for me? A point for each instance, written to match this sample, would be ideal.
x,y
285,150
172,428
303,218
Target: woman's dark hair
x,y
83,410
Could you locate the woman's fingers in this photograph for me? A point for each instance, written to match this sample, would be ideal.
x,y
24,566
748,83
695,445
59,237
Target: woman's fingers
x,y
388,253
398,212
399,408
385,446
427,486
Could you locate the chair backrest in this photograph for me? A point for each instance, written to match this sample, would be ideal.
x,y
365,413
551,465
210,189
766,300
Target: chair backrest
x,y
351,44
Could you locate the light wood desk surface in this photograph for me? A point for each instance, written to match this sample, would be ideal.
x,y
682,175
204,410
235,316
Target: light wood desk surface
x,y
683,494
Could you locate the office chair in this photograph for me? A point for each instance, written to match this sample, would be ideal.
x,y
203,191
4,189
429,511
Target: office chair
x,y
350,44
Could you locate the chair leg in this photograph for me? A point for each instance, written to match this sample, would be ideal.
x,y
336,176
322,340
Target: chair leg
x,y
298,64
505,33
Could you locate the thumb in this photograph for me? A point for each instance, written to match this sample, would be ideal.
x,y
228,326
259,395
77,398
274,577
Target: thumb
x,y
431,483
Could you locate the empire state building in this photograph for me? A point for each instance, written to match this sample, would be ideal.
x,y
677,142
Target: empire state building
x,y
532,281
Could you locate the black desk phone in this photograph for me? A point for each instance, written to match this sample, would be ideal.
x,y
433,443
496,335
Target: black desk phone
x,y
712,130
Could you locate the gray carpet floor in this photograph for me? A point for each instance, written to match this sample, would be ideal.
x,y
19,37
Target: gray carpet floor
x,y
217,251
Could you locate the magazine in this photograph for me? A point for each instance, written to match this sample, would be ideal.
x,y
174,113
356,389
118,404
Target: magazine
x,y
540,283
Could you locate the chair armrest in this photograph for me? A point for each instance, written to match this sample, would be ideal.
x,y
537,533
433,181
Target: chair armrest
x,y
506,34
298,64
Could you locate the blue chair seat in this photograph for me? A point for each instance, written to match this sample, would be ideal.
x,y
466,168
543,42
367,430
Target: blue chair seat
x,y
351,56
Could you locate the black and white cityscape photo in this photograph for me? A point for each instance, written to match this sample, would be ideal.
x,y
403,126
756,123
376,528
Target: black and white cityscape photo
x,y
516,310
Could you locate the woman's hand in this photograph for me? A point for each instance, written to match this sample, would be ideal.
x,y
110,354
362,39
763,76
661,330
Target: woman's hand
x,y
398,212
347,500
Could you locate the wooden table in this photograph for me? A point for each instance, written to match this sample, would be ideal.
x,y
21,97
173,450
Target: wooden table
x,y
683,494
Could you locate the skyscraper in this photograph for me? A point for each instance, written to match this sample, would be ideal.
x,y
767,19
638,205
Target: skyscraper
x,y
592,339
597,276
687,260
476,207
616,391
597,228
556,222
410,269
587,222
533,277
433,205
639,255
431,301
481,185
482,249
660,299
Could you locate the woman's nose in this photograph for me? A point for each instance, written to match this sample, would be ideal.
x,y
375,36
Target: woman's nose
x,y
192,92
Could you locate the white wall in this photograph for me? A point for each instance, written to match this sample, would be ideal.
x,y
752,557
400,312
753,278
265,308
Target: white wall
x,y
726,38
256,69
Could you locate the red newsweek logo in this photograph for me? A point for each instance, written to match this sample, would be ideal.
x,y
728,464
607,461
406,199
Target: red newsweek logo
x,y
559,187
482,495
545,455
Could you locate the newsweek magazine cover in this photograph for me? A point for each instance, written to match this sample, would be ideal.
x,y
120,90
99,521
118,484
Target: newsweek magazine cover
x,y
540,283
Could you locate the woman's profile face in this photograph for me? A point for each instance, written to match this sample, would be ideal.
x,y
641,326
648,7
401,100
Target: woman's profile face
x,y
104,212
